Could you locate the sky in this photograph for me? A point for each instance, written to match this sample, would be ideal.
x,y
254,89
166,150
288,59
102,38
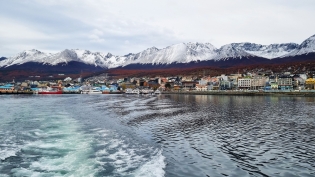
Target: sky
x,y
124,26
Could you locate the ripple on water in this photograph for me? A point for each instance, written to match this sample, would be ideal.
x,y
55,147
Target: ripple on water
x,y
232,136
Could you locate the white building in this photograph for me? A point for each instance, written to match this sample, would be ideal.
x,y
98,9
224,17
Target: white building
x,y
201,87
258,82
245,83
67,79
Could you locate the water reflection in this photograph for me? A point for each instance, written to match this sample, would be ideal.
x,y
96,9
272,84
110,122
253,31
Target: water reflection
x,y
204,135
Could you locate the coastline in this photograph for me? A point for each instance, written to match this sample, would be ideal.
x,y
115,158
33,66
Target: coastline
x,y
217,92
245,93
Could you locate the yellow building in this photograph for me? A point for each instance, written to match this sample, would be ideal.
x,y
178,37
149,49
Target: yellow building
x,y
310,83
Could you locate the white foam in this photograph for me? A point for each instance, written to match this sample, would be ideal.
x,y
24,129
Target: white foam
x,y
8,152
62,148
25,172
154,167
9,146
124,157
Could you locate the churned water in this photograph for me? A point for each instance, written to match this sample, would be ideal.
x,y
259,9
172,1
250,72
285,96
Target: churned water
x,y
165,135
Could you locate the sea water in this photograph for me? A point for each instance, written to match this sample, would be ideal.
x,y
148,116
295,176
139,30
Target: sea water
x,y
163,135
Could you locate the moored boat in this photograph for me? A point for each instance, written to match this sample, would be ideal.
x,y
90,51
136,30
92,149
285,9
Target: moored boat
x,y
94,91
157,92
128,91
50,90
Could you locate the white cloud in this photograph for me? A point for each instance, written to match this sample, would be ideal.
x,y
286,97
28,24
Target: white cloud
x,y
96,36
107,24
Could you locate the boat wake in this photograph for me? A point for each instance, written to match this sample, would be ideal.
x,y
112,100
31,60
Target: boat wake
x,y
43,143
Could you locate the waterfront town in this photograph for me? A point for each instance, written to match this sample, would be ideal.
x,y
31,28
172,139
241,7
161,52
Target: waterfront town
x,y
249,82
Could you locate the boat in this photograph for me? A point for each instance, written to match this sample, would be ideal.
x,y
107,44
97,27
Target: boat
x,y
128,91
50,90
157,92
85,91
94,91
146,91
135,91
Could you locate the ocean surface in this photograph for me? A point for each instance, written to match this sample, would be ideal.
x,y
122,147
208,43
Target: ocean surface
x,y
155,136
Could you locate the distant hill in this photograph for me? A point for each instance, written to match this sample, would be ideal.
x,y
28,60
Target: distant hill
x,y
182,56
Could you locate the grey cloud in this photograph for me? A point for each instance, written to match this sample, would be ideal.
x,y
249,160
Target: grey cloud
x,y
123,26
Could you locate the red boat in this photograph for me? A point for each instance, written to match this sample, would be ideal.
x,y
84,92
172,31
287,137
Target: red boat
x,y
51,90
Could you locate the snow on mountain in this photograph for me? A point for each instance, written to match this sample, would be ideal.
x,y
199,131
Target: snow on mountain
x,y
306,47
24,57
178,53
268,51
84,56
2,58
66,56
231,51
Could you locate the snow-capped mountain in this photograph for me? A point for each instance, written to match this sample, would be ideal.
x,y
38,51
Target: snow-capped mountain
x,y
66,56
24,57
2,58
307,46
178,53
231,51
267,51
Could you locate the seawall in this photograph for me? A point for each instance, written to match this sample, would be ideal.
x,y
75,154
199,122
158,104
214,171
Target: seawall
x,y
244,93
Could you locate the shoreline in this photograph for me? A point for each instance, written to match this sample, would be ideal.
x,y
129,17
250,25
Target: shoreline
x,y
244,93
228,92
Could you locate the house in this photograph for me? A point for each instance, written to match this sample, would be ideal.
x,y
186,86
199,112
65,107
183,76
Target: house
x,y
153,84
272,84
233,78
200,87
7,87
204,81
189,85
298,82
67,79
310,83
187,78
258,82
163,80
225,85
244,83
285,82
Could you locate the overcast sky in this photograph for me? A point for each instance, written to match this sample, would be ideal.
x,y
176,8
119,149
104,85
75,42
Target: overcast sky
x,y
130,26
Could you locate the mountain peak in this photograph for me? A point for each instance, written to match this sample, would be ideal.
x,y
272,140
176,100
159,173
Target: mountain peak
x,y
306,47
109,55
177,53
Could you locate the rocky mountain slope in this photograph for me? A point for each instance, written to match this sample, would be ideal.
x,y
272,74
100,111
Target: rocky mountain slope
x,y
182,55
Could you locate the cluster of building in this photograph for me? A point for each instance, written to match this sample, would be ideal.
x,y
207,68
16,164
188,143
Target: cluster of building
x,y
273,82
280,82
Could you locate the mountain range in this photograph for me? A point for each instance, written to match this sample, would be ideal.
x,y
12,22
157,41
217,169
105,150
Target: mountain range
x,y
188,54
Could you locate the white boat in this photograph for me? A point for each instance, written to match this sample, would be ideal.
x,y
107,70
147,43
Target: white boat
x,y
157,92
147,91
85,91
135,91
128,91
94,91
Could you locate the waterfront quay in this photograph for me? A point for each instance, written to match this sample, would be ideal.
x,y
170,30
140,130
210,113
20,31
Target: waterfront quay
x,y
234,84
15,92
247,92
